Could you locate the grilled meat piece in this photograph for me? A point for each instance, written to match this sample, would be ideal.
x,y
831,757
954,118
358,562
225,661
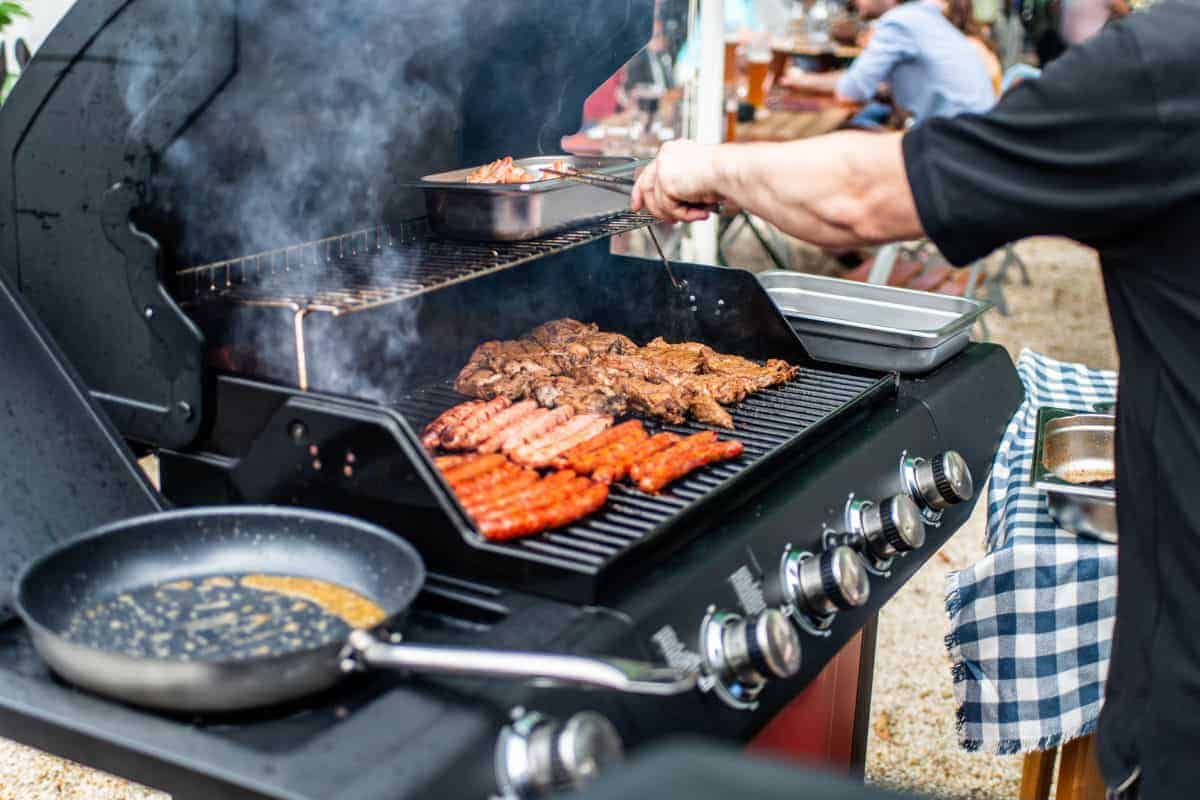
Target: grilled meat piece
x,y
572,363
705,408
503,170
582,398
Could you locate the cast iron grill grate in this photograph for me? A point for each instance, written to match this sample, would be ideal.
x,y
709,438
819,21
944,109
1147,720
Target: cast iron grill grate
x,y
770,423
374,267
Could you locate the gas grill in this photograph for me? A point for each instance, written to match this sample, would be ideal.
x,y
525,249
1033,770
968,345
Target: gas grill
x,y
220,313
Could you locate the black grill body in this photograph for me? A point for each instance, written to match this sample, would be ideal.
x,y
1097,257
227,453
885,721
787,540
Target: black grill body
x,y
385,738
356,450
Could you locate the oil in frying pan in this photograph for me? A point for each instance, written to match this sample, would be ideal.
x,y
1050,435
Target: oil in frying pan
x,y
223,618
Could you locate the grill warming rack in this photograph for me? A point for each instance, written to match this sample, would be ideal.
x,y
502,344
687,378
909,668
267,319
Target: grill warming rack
x,y
771,423
374,266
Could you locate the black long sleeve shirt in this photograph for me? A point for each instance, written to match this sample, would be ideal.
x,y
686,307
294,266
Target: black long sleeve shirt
x,y
1105,149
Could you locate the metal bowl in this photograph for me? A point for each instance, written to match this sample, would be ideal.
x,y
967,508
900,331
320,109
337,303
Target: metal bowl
x,y
1074,464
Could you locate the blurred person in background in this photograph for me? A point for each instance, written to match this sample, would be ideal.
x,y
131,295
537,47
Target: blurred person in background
x,y
931,67
961,14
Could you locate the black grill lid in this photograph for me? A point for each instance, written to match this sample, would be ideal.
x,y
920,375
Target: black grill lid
x,y
227,127
63,469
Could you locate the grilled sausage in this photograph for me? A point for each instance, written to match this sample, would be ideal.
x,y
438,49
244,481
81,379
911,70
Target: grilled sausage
x,y
587,463
433,431
455,435
482,506
528,429
542,452
449,462
496,484
502,421
668,468
606,439
617,468
527,522
672,453
490,478
473,467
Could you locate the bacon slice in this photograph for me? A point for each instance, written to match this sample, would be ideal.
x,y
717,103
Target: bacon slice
x,y
483,506
671,465
542,452
452,416
526,522
618,467
528,429
455,436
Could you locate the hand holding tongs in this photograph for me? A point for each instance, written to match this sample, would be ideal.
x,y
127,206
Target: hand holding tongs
x,y
618,184
625,186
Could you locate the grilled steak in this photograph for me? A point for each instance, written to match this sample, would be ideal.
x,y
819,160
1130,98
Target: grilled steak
x,y
570,363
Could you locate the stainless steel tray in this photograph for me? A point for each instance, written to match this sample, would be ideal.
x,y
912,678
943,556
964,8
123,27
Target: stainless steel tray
x,y
871,326
1070,443
491,212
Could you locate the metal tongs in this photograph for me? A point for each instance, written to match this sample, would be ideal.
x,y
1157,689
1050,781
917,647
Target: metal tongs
x,y
624,186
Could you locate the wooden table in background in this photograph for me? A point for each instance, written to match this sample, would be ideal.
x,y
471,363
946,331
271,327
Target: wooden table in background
x,y
786,126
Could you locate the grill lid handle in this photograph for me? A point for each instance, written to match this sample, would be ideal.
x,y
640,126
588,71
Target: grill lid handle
x,y
548,669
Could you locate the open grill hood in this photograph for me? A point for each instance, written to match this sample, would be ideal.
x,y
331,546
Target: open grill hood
x,y
147,135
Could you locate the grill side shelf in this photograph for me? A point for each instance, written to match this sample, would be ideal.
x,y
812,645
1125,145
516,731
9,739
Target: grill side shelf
x,y
772,424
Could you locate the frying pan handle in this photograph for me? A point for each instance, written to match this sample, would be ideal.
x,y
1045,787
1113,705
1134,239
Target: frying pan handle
x,y
634,677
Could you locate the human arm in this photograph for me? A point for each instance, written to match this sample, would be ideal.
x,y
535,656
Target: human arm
x,y
842,190
813,82
890,44
1085,152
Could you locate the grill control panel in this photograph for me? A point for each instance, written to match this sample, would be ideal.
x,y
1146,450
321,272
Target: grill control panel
x,y
791,601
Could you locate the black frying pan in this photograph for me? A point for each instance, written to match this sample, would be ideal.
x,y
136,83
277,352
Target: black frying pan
x,y
92,610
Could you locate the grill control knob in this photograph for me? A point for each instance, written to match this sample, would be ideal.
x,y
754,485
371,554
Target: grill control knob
x,y
939,482
821,585
892,526
750,651
536,755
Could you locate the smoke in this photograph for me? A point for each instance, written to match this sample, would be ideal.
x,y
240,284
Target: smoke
x,y
284,121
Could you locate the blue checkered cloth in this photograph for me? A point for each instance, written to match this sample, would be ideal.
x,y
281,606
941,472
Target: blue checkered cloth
x,y
1031,623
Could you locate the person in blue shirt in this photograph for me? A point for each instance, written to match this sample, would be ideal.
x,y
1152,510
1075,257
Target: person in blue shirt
x,y
931,66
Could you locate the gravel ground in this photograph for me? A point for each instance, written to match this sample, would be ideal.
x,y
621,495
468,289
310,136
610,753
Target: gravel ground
x,y
912,744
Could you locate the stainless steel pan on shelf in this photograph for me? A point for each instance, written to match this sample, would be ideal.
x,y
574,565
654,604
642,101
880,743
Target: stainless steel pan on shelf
x,y
156,611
